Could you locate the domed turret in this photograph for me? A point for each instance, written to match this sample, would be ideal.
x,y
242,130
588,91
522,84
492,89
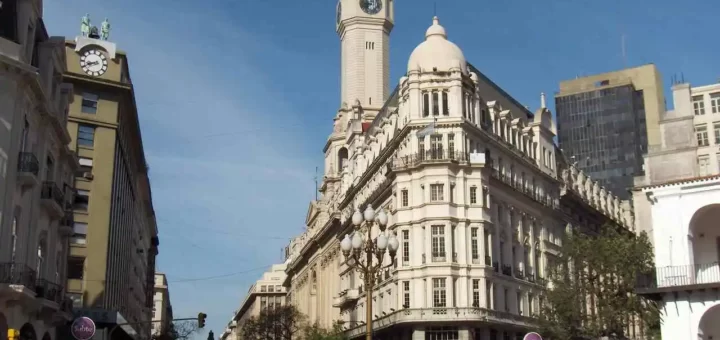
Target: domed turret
x,y
437,53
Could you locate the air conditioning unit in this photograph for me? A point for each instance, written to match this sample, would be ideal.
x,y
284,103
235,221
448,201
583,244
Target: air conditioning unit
x,y
88,175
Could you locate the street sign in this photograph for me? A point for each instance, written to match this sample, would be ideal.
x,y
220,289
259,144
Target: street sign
x,y
83,328
532,336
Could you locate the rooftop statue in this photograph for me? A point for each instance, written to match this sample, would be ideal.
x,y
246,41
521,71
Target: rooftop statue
x,y
85,25
105,29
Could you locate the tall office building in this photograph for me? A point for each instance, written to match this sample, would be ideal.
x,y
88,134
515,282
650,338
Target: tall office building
x,y
607,121
111,269
36,174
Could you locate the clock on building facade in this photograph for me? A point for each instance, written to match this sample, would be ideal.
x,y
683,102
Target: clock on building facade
x,y
371,6
94,62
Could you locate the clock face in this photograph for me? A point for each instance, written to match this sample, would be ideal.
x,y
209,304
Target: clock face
x,y
371,6
339,12
94,62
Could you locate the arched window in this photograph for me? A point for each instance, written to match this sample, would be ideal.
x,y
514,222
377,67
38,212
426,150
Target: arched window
x,y
342,158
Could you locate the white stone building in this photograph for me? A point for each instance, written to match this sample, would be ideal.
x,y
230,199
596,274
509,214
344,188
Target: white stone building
x,y
678,203
162,307
36,174
478,205
267,292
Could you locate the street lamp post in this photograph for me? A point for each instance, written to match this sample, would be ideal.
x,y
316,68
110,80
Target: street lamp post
x,y
353,250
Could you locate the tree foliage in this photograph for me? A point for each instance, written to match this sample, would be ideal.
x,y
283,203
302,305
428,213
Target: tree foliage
x,y
279,323
181,330
315,332
592,287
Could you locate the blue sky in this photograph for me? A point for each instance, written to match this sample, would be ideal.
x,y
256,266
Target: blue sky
x,y
236,99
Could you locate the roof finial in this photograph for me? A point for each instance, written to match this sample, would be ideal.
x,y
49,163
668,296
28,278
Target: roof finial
x,y
542,100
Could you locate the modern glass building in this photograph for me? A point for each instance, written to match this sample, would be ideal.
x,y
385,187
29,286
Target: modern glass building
x,y
607,122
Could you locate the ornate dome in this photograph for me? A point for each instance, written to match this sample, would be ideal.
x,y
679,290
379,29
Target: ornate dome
x,y
436,52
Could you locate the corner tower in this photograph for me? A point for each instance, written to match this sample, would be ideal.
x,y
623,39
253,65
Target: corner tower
x,y
364,28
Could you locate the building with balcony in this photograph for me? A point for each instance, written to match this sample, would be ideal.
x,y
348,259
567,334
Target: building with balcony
x,y
676,202
267,292
36,174
606,122
114,241
162,307
474,188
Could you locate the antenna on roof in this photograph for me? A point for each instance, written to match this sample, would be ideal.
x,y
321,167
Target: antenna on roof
x,y
316,183
435,8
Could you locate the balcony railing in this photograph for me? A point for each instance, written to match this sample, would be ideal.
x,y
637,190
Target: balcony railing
x,y
427,156
507,270
17,274
518,186
49,291
28,163
51,191
677,276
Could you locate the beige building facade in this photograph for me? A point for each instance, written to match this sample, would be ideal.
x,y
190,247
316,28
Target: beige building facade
x,y
162,307
475,190
36,175
267,292
114,241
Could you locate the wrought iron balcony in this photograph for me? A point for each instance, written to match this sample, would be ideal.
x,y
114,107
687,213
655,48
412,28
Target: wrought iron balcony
x,y
518,186
14,273
53,199
28,168
507,270
427,157
680,276
49,291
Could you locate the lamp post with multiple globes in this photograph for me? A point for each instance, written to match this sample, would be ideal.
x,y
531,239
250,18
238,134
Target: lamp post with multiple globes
x,y
368,268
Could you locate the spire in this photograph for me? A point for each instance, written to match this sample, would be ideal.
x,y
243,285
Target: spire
x,y
542,100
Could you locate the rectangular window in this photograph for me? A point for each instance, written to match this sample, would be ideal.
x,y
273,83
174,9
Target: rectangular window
x,y
489,294
406,247
75,268
263,302
404,198
473,195
436,103
271,289
451,144
79,233
421,147
82,200
506,297
426,104
476,293
436,192
436,146
531,302
439,294
715,102
704,165
701,134
716,128
406,294
86,164
474,245
698,105
446,110
464,104
86,135
438,243
89,103
519,299
263,289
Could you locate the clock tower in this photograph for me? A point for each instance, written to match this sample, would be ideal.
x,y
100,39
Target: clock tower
x,y
364,28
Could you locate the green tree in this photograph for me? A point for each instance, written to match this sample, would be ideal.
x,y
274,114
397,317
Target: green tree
x,y
315,332
279,323
180,330
592,284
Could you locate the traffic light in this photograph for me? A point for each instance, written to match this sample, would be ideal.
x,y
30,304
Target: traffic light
x,y
201,320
